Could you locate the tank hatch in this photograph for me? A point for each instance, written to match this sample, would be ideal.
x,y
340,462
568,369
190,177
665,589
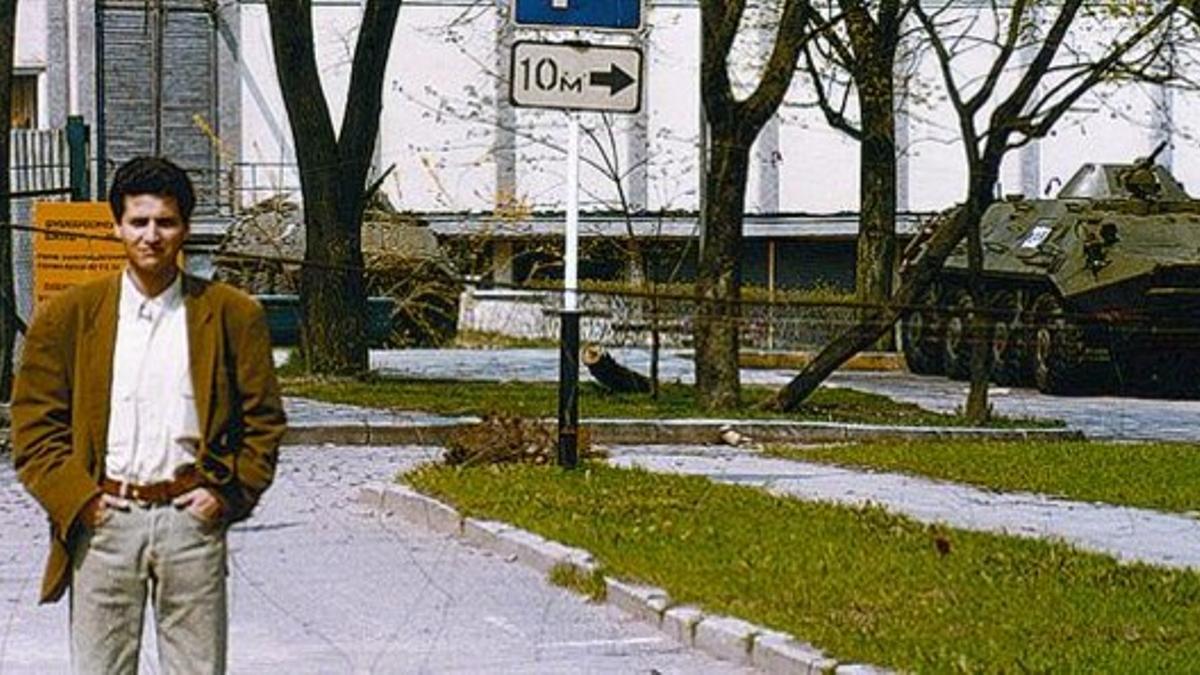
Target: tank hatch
x,y
1141,180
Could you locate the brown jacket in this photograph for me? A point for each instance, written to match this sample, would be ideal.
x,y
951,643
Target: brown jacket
x,y
60,405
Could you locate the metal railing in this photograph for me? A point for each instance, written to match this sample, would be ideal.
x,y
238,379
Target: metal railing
x,y
39,162
254,182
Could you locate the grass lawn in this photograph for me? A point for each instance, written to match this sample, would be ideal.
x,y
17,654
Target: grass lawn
x,y
1164,476
859,583
529,399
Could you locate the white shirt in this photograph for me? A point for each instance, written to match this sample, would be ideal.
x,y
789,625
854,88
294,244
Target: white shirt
x,y
153,427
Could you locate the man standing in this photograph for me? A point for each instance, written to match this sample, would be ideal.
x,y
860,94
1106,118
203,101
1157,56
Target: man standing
x,y
146,419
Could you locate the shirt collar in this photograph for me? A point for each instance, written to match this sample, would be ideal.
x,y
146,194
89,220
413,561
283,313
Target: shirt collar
x,y
134,303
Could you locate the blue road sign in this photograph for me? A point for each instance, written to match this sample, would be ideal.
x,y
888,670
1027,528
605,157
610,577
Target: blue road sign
x,y
603,14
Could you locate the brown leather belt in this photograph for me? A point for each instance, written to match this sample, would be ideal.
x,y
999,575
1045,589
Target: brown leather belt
x,y
161,492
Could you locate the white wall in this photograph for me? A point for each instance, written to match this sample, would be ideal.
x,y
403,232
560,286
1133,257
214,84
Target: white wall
x,y
31,34
437,125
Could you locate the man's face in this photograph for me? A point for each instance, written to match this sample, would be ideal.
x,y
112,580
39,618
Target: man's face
x,y
153,233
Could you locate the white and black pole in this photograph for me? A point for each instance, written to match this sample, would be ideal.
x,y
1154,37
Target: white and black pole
x,y
568,370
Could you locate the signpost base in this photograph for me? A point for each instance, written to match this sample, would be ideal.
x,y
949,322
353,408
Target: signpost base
x,y
568,390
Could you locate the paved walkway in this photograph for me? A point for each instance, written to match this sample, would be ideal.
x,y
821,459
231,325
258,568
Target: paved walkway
x,y
319,586
1096,416
1126,533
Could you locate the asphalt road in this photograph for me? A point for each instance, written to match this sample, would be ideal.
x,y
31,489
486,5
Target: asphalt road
x,y
320,586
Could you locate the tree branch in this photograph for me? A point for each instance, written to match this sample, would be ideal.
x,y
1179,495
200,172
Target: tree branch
x,y
360,123
781,67
835,118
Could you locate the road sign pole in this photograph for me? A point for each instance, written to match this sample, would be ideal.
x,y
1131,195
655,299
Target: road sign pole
x,y
568,370
571,268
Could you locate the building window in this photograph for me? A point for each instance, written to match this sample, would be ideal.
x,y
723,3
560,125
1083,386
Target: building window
x,y
24,101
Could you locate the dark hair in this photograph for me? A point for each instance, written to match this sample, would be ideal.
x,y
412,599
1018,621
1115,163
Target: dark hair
x,y
152,176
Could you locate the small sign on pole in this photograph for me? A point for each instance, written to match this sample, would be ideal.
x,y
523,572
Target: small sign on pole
x,y
624,15
576,77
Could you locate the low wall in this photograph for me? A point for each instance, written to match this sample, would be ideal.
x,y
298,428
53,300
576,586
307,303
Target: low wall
x,y
622,321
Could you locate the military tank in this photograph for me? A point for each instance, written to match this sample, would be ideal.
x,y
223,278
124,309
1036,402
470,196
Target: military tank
x,y
1098,288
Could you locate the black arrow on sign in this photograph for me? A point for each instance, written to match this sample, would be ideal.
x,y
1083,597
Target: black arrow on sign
x,y
615,79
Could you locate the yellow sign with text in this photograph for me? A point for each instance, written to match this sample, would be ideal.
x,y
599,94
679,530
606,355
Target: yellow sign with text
x,y
74,244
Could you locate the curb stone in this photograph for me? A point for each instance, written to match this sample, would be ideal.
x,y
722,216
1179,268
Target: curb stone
x,y
544,555
780,654
726,638
646,603
672,432
723,637
680,623
858,669
416,507
485,534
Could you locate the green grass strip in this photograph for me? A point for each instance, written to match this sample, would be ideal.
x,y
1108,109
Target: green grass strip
x,y
540,399
1163,476
861,584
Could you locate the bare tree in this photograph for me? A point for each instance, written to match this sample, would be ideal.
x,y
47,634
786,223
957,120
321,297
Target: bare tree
x,y
859,39
734,124
333,169
8,326
1046,89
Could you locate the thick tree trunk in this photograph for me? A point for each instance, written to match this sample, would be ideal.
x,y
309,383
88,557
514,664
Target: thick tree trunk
x,y
718,281
333,302
333,174
876,254
8,305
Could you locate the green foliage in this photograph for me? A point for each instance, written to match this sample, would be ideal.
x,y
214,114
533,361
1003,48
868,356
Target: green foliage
x,y
540,399
590,585
292,366
1163,476
865,585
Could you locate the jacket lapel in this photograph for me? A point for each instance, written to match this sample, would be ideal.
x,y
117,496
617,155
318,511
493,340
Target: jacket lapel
x,y
201,349
99,343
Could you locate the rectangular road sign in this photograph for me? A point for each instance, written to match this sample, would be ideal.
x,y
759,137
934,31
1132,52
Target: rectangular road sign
x,y
596,14
576,77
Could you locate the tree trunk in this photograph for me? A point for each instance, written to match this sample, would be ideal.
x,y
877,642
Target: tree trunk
x,y
333,302
718,279
876,253
612,375
655,344
979,324
875,320
333,173
8,305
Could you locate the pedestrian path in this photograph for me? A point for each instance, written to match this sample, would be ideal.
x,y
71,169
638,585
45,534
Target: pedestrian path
x,y
1126,533
318,585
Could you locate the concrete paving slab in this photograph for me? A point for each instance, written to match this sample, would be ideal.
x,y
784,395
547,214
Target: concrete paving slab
x,y
1130,534
318,585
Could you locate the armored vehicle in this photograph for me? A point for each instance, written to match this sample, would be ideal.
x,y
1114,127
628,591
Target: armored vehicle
x,y
1099,287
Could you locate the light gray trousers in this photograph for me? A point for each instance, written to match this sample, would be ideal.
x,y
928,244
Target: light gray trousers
x,y
156,553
